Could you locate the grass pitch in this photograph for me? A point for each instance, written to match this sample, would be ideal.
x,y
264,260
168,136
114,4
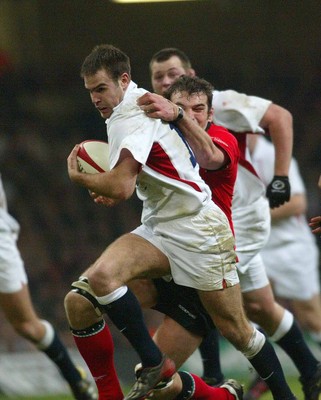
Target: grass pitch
x,y
293,382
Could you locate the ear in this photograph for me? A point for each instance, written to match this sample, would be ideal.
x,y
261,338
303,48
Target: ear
x,y
211,114
124,80
191,72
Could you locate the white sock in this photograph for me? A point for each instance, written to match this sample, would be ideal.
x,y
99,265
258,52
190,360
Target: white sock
x,y
284,326
113,296
49,335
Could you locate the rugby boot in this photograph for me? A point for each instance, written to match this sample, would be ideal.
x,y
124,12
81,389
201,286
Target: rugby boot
x,y
84,389
234,387
149,378
312,387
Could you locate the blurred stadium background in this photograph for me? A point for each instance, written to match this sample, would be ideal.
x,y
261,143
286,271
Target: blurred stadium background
x,y
269,48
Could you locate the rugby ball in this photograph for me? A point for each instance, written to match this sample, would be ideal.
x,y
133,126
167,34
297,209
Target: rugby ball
x,y
93,156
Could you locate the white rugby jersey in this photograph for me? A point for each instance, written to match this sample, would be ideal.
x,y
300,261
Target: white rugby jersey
x,y
7,222
289,230
169,183
239,112
3,199
242,114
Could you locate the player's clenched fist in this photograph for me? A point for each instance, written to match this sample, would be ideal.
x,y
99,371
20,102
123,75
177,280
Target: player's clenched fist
x,y
279,191
315,224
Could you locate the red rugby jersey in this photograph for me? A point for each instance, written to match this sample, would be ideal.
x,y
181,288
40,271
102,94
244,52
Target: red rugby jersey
x,y
221,181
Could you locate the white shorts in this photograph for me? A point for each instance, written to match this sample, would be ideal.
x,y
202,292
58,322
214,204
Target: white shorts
x,y
293,270
200,249
12,271
254,277
252,229
252,225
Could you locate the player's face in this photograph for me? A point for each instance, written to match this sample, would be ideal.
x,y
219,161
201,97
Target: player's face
x,y
164,74
105,93
195,106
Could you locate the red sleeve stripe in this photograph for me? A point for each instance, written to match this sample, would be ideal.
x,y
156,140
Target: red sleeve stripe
x,y
159,161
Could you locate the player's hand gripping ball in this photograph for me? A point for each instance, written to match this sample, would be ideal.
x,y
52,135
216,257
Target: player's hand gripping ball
x,y
279,191
93,156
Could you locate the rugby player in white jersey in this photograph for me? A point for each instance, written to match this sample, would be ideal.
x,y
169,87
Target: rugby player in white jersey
x,y
174,237
291,255
243,114
16,304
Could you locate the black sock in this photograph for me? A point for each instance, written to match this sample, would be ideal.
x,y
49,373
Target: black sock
x,y
210,353
269,368
127,315
57,352
294,345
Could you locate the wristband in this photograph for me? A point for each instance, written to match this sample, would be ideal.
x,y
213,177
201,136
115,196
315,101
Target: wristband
x,y
180,115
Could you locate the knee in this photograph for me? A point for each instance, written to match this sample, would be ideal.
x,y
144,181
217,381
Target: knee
x,y
256,311
78,309
103,279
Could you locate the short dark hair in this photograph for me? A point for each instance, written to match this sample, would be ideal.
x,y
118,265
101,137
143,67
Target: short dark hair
x,y
167,53
108,57
191,85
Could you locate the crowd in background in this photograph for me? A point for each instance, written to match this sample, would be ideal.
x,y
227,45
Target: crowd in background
x,y
62,230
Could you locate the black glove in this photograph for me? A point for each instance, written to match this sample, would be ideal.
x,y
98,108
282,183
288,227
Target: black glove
x,y
278,191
